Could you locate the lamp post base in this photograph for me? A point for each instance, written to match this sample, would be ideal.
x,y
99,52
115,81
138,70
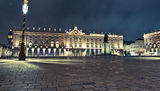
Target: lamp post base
x,y
22,55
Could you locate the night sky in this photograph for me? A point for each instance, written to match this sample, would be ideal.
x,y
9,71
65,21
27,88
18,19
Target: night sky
x,y
128,17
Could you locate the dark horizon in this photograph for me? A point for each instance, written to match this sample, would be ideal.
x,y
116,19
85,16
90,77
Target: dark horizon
x,y
129,18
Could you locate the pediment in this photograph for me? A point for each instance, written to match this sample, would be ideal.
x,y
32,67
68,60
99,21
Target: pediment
x,y
75,31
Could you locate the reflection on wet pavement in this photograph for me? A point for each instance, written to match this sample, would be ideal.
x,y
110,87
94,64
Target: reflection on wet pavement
x,y
81,74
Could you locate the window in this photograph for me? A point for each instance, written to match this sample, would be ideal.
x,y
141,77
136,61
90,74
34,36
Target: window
x,y
30,44
92,40
99,40
100,46
87,40
47,42
96,40
150,50
71,45
62,44
96,45
75,41
75,44
92,45
80,44
80,40
87,45
52,44
57,44
112,46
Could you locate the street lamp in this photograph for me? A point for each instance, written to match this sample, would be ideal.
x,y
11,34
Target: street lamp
x,y
22,54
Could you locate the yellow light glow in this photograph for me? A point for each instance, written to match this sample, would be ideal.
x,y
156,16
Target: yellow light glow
x,y
10,37
25,1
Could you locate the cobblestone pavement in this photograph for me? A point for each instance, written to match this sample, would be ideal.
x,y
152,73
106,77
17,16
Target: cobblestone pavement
x,y
81,74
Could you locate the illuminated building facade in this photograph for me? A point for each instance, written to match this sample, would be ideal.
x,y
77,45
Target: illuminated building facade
x,y
141,49
116,44
152,43
134,48
1,48
48,42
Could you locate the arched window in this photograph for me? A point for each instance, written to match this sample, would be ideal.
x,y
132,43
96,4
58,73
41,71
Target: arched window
x,y
57,44
62,44
52,43
41,43
30,44
35,43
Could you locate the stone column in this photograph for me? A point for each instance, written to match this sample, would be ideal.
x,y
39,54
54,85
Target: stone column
x,y
32,51
54,50
65,52
27,51
94,52
44,49
38,51
60,52
90,52
49,51
98,51
85,53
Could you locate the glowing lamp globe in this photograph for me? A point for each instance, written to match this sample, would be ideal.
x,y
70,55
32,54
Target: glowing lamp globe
x,y
25,8
26,1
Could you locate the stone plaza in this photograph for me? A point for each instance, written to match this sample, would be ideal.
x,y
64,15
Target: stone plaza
x,y
81,74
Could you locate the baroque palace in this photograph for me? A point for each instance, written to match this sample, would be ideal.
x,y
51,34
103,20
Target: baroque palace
x,y
48,42
152,43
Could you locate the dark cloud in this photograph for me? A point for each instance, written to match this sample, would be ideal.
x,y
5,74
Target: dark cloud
x,y
128,17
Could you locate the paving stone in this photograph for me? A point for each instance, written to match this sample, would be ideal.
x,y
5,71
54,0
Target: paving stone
x,y
75,90
76,86
88,90
63,88
34,89
88,86
83,74
113,90
146,90
49,89
101,89
88,83
20,90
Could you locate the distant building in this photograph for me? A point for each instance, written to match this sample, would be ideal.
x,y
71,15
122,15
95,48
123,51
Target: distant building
x,y
141,48
116,44
130,49
152,43
134,48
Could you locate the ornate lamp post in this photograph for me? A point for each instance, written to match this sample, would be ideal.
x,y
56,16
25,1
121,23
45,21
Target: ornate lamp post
x,y
22,54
